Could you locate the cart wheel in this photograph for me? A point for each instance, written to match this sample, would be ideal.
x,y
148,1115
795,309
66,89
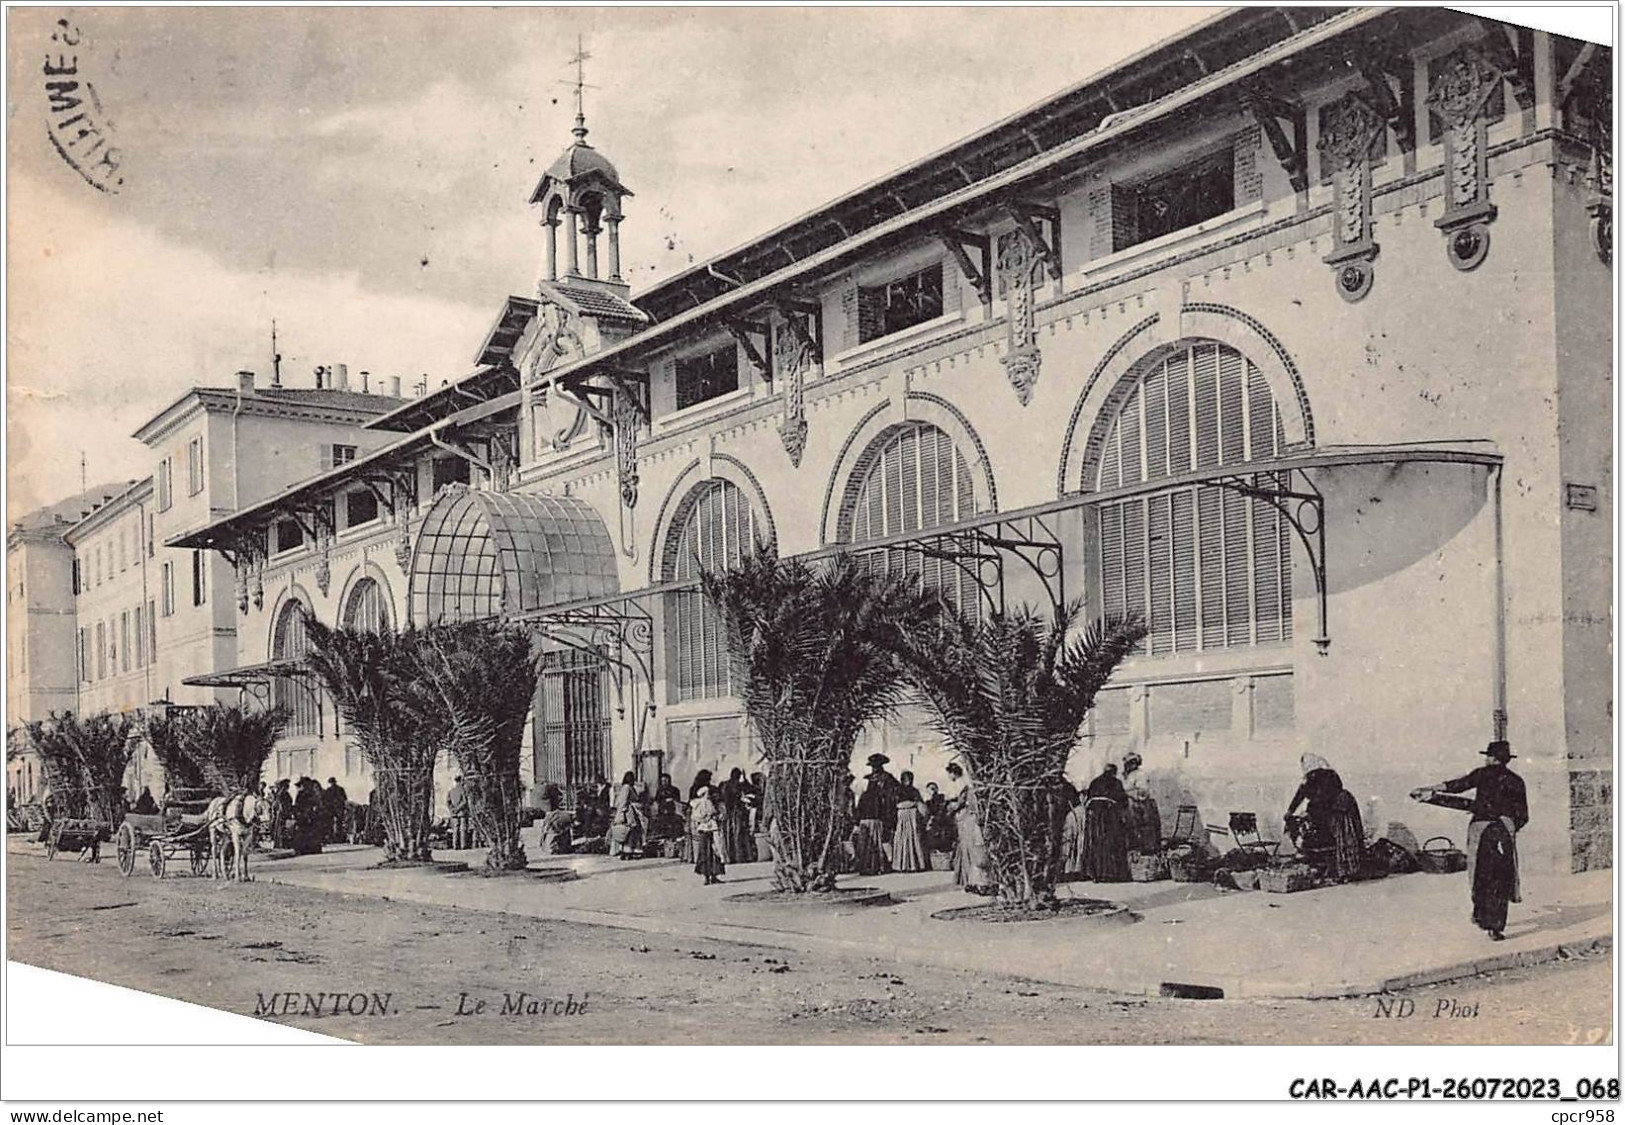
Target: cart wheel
x,y
200,860
53,842
126,850
156,859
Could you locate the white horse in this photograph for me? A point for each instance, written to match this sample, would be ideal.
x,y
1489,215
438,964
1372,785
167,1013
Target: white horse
x,y
233,820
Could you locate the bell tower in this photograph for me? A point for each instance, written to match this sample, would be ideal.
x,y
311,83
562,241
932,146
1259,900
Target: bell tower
x,y
582,193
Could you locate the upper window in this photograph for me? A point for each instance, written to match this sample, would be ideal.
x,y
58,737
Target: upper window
x,y
914,479
167,588
365,609
716,529
1194,193
343,454
194,466
360,507
150,536
704,377
899,304
286,535
449,470
1204,566
166,484
200,577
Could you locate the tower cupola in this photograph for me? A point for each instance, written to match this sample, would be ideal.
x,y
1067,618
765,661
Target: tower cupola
x,y
581,192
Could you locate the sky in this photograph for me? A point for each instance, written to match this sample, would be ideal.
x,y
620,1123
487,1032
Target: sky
x,y
361,174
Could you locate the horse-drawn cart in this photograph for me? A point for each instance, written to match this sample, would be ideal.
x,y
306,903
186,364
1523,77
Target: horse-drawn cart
x,y
181,828
76,834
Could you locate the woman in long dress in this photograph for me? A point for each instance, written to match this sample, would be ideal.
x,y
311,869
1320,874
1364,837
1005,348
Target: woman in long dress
x,y
1333,838
628,824
1144,821
971,869
908,845
1105,837
706,830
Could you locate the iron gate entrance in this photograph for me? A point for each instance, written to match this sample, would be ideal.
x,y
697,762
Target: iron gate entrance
x,y
571,721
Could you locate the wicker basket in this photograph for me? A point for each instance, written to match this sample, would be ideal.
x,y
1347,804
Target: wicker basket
x,y
1286,878
1189,867
1440,856
1147,868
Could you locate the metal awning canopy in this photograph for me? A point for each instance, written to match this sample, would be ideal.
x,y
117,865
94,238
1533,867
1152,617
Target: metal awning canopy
x,y
250,675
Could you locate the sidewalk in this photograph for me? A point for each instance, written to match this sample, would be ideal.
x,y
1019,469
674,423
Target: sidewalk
x,y
1335,942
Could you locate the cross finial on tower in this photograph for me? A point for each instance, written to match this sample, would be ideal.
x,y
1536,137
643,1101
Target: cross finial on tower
x,y
579,62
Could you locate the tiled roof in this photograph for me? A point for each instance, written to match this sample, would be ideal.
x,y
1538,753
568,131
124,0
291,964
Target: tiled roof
x,y
595,302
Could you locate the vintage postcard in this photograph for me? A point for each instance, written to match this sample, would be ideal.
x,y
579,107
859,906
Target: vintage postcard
x,y
810,526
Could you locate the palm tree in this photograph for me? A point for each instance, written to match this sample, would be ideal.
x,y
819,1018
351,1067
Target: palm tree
x,y
367,673
230,744
817,655
85,760
475,684
1009,693
171,737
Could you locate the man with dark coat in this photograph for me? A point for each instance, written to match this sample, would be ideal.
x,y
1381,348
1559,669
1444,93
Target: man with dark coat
x,y
335,808
1499,810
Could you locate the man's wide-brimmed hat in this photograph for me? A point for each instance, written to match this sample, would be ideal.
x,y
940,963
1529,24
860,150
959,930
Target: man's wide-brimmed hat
x,y
1500,750
878,759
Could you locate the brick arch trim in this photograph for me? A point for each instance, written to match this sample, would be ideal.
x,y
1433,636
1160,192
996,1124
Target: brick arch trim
x,y
293,593
366,568
680,497
1147,342
865,438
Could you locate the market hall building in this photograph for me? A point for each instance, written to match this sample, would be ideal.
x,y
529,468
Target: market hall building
x,y
1291,334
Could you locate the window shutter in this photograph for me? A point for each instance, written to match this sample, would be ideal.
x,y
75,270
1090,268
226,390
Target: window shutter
x,y
1179,413
1205,371
909,452
1134,557
1238,626
1284,538
1132,467
1160,565
1111,559
1156,423
1110,462
1183,531
1260,416
1232,425
1210,565
1266,571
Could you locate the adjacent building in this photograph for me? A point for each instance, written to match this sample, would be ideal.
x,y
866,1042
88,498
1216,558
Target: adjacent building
x,y
1291,335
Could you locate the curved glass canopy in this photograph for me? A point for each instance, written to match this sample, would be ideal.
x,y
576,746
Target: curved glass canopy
x,y
493,554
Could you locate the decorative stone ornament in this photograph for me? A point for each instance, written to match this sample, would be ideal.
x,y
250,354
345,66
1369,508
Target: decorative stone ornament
x,y
627,421
1600,177
793,352
1460,91
1019,266
1352,130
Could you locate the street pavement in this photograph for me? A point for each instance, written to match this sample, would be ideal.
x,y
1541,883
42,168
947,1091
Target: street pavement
x,y
1173,938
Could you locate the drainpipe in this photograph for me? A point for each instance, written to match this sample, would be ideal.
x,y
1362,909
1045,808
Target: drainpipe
x,y
1500,716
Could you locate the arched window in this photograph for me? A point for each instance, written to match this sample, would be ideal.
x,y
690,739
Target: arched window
x,y
1205,566
295,693
716,527
913,479
366,608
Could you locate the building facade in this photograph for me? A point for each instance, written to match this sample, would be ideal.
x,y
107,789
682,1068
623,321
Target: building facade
x,y
1291,335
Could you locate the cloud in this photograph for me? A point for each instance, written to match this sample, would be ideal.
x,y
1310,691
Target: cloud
x,y
115,322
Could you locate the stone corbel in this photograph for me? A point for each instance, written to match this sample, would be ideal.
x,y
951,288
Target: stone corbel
x,y
795,351
1458,95
1353,127
1020,260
